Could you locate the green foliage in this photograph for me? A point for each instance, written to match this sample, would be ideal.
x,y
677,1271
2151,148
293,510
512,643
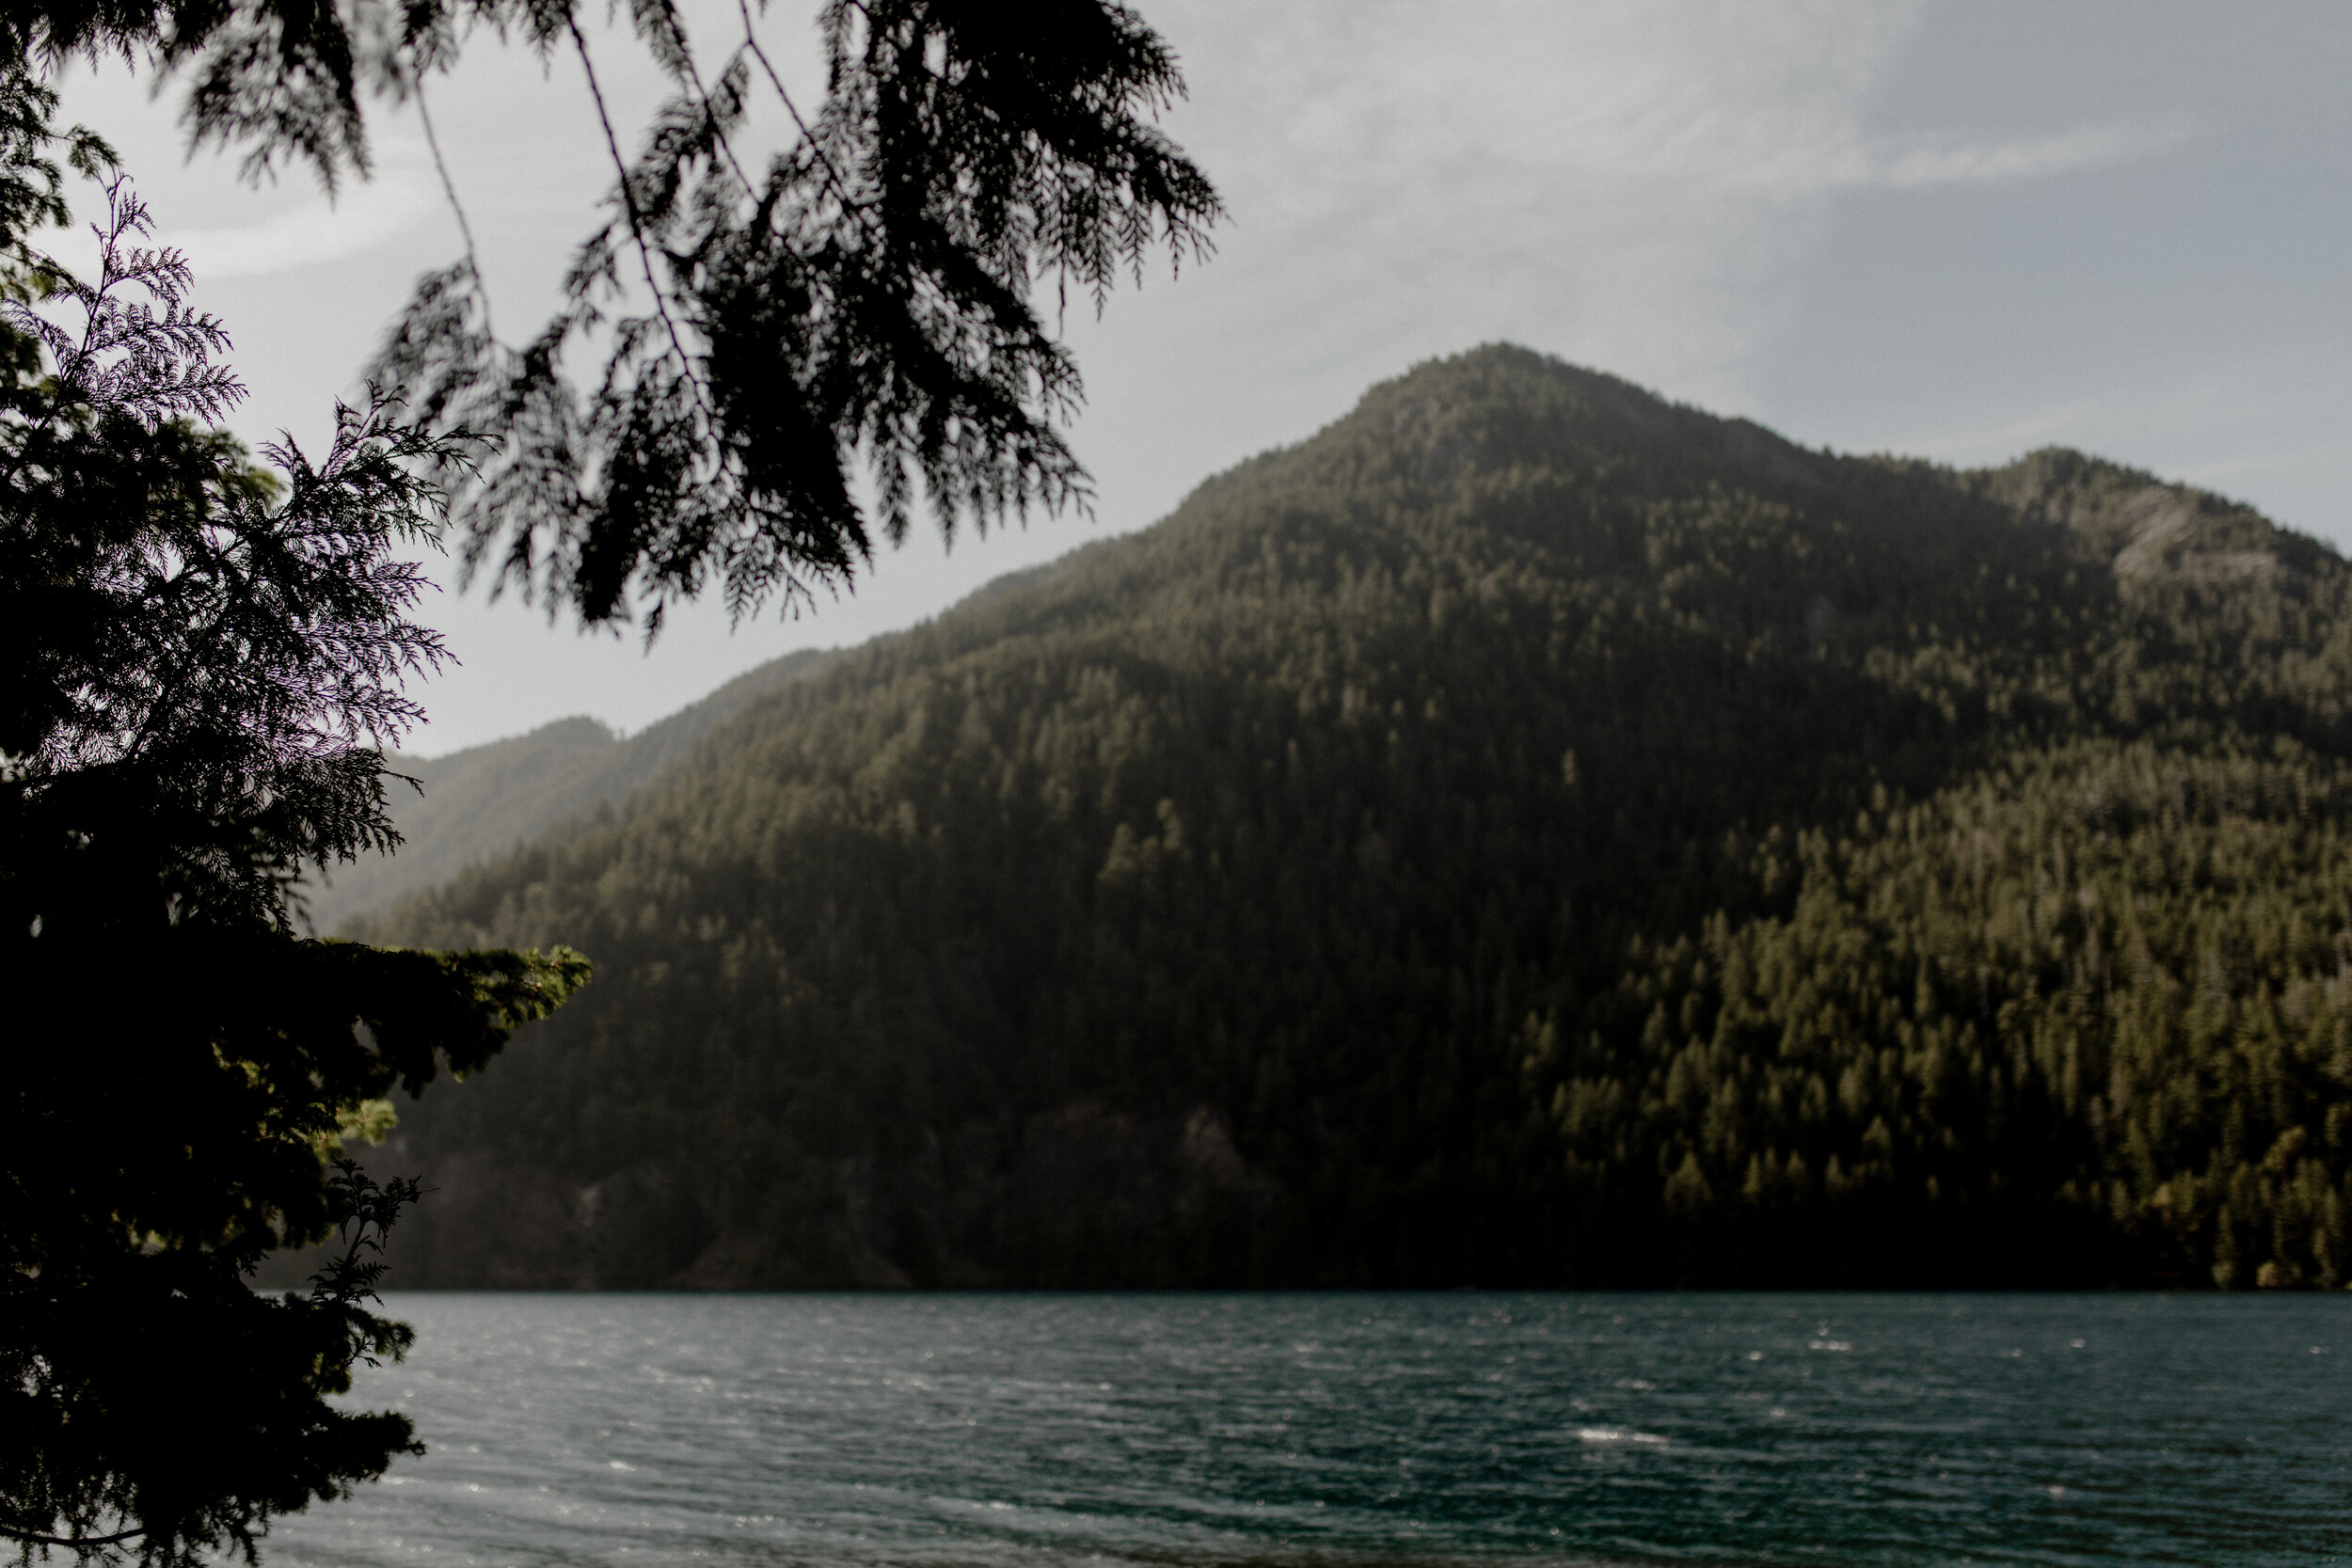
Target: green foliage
x,y
1527,834
474,805
204,656
864,300
154,1156
2098,990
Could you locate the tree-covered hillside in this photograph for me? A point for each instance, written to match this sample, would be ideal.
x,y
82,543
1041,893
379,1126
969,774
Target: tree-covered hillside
x,y
1528,834
456,810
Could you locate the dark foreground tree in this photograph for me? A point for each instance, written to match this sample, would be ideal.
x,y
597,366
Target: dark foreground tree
x,y
868,298
204,661
208,656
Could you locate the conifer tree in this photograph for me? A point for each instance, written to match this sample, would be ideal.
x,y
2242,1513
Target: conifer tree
x,y
866,298
211,652
205,659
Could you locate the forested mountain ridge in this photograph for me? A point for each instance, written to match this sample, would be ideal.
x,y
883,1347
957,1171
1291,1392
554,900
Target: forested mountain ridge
x,y
454,811
1529,832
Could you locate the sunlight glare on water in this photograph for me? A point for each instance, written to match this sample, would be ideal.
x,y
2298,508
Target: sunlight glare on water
x,y
1323,1429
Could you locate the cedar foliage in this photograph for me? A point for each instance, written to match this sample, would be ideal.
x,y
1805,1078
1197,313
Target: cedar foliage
x,y
859,306
204,656
1528,834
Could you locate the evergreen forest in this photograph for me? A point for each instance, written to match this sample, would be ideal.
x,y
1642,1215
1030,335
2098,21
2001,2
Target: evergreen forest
x,y
1528,833
453,811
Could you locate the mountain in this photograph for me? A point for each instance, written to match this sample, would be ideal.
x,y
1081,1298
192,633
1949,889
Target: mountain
x,y
470,806
1528,833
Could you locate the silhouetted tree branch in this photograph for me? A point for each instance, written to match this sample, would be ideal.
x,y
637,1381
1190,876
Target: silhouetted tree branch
x,y
206,657
864,303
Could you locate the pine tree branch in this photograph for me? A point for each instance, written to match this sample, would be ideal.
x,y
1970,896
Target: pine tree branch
x,y
457,208
815,147
79,1542
637,223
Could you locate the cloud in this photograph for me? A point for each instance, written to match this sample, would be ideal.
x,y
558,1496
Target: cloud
x,y
1772,99
1635,184
1953,163
311,233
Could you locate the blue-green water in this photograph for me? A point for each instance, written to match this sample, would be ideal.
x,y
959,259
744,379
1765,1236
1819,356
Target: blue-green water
x,y
1053,1430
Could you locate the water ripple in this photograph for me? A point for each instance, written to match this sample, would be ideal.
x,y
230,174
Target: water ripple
x,y
1331,1431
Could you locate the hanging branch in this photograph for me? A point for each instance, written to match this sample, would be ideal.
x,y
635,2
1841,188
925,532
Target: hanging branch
x,y
861,308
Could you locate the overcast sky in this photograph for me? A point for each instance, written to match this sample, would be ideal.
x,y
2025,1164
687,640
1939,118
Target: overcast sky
x,y
1961,229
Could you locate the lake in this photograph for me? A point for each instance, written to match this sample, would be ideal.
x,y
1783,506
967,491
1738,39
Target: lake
x,y
1338,1429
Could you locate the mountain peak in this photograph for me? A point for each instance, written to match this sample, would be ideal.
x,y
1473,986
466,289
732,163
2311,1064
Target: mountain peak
x,y
1501,409
1530,832
2148,529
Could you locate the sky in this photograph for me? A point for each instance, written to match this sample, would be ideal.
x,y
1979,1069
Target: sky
x,y
1955,228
